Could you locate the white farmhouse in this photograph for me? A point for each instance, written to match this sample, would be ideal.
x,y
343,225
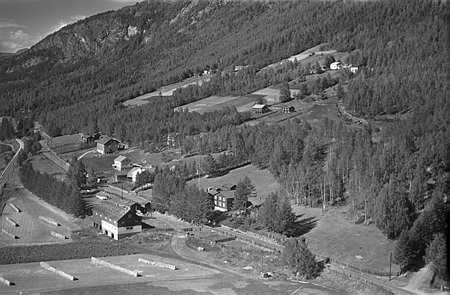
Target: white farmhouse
x,y
121,162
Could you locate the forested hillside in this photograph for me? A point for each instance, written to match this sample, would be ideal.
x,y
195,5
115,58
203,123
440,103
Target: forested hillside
x,y
74,79
393,173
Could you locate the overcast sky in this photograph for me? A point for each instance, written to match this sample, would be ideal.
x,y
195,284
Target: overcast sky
x,y
25,22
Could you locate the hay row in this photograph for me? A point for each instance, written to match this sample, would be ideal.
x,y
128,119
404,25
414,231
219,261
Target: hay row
x,y
158,264
6,282
15,208
134,273
58,235
57,271
13,223
9,234
49,221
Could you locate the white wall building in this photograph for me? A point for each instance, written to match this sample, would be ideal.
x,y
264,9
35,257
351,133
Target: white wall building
x,y
134,172
116,221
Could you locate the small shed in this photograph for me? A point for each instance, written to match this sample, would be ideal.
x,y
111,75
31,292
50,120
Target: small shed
x,y
354,69
260,108
288,109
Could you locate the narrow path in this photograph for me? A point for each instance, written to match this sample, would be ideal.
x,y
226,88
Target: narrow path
x,y
84,154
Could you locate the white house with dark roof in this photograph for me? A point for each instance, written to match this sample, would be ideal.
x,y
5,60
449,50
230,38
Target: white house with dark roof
x,y
107,145
121,162
116,220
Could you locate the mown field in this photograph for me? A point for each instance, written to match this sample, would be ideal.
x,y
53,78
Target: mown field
x,y
359,245
4,148
164,91
44,165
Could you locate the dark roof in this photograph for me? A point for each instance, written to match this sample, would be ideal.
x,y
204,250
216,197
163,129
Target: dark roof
x,y
109,211
228,187
105,139
226,194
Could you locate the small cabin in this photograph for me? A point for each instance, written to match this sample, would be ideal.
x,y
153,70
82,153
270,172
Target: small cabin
x,y
288,109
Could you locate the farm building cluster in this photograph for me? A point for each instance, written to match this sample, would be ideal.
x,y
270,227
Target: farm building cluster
x,y
337,65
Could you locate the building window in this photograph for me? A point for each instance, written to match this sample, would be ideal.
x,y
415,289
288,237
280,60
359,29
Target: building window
x,y
129,227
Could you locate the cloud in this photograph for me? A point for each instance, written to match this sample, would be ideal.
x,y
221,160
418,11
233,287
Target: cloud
x,y
4,23
13,40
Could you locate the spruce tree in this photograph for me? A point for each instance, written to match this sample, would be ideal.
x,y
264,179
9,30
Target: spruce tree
x,y
299,259
436,254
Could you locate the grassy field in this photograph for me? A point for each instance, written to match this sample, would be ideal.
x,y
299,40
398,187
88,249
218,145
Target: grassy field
x,y
70,155
336,237
4,159
263,181
214,103
29,277
164,91
31,229
44,165
271,95
4,148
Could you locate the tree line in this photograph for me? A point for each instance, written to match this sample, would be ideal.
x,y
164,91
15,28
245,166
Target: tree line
x,y
63,195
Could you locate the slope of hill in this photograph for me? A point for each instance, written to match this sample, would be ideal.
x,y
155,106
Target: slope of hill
x,y
74,79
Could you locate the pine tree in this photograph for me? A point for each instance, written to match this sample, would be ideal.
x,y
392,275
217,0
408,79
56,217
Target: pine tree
x,y
299,259
6,129
405,252
285,217
209,165
436,253
285,92
244,190
267,212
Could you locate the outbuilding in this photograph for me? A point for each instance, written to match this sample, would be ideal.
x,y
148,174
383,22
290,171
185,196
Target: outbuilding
x,y
260,108
288,109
